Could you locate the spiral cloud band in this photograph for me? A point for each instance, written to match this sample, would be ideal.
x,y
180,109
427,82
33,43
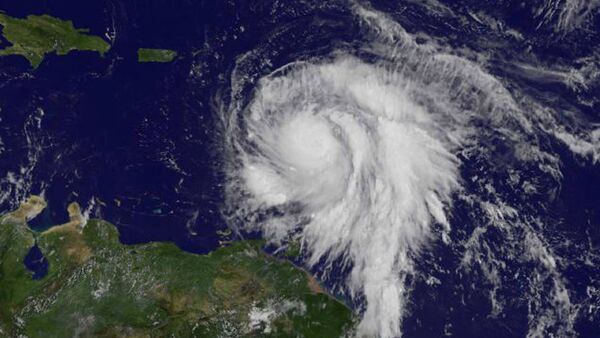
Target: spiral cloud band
x,y
358,159
346,143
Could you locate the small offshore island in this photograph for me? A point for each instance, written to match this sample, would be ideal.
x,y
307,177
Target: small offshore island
x,y
97,287
156,55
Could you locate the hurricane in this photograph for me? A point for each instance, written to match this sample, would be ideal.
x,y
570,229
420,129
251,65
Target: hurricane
x,y
369,169
360,155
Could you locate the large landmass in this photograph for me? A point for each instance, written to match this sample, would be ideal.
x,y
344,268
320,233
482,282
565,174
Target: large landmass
x,y
35,36
97,287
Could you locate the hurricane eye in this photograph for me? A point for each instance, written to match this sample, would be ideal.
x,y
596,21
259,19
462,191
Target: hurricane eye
x,y
308,142
361,153
363,161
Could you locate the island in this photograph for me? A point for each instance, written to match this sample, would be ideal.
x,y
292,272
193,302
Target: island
x,y
95,286
156,55
35,36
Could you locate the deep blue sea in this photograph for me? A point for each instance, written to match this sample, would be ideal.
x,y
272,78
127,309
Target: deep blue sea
x,y
136,137
140,144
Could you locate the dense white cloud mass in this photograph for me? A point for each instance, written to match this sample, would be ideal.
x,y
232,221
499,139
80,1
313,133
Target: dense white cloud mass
x,y
365,164
359,159
365,152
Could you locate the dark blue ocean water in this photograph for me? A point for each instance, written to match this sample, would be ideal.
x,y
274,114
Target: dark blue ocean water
x,y
143,139
111,126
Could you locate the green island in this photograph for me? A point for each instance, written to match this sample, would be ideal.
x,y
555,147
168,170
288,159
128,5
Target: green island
x,y
96,286
156,55
35,36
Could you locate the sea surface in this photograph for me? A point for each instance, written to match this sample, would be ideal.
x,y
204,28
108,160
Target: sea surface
x,y
142,145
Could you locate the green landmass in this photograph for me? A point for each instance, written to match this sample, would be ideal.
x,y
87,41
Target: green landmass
x,y
98,287
156,55
294,249
35,36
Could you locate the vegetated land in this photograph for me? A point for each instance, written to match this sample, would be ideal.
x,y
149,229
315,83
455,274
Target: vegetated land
x,y
156,55
97,287
35,36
